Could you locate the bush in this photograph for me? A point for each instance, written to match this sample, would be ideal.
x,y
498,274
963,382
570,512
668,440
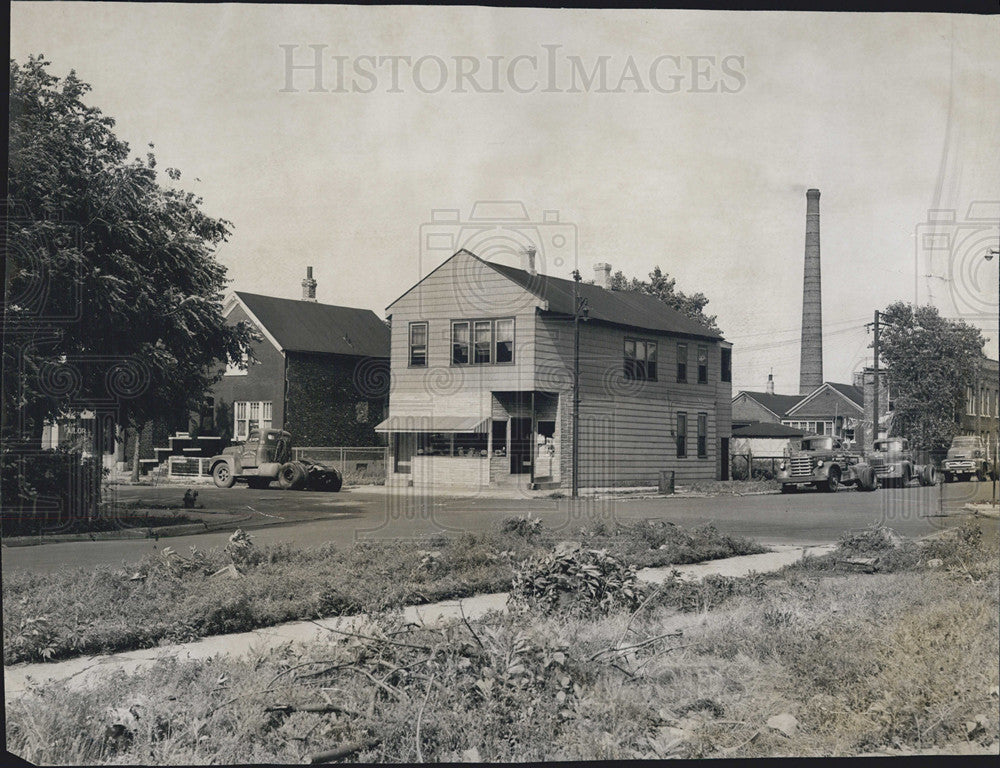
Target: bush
x,y
47,491
581,581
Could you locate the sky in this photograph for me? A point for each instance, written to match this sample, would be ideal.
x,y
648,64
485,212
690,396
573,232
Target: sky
x,y
359,141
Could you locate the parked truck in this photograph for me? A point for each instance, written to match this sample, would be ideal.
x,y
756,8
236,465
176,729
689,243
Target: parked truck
x,y
967,459
824,462
895,464
266,456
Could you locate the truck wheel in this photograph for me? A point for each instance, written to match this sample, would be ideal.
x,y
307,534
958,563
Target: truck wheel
x,y
905,479
927,475
980,475
259,483
866,479
292,476
832,484
222,476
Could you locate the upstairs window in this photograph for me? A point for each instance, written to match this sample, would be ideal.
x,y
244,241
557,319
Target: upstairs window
x,y
504,341
702,364
682,363
726,367
483,348
418,344
460,343
640,360
481,342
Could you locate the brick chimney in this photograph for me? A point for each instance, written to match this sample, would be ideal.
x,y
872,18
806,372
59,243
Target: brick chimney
x,y
811,359
309,286
529,260
602,275
770,384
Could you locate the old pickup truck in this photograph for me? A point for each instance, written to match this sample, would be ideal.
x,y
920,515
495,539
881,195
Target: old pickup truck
x,y
894,463
824,462
967,459
265,457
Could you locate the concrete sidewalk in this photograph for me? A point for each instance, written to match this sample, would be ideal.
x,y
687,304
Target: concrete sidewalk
x,y
76,673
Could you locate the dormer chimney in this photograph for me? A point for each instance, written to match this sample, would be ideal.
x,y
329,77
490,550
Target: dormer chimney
x,y
602,275
529,260
770,383
309,286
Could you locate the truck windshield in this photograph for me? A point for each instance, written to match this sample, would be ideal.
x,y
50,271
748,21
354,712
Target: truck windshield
x,y
889,446
817,444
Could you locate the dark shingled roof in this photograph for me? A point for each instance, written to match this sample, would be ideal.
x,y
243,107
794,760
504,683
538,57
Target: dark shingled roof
x,y
620,307
855,394
778,404
307,326
767,429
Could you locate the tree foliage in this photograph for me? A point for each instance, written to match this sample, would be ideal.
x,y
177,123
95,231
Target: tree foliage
x,y
931,360
664,287
113,293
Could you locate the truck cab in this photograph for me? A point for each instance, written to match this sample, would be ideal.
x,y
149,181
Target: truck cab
x,y
825,462
967,459
257,461
894,463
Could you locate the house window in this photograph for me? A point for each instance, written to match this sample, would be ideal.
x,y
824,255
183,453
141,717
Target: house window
x,y
505,341
640,360
418,344
460,343
702,364
970,401
481,342
682,429
238,369
702,435
726,366
249,415
682,363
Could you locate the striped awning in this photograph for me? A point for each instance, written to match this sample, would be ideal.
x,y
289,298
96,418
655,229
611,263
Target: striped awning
x,y
427,423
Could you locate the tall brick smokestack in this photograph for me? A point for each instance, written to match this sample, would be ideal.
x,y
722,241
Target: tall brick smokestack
x,y
811,361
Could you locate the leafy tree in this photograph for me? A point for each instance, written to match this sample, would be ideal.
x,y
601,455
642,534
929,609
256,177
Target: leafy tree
x,y
664,287
931,360
113,294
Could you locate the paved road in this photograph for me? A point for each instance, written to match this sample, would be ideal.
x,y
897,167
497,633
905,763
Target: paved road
x,y
309,519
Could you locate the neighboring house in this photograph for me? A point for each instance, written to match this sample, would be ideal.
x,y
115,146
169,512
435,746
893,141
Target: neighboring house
x,y
765,440
830,409
482,369
761,407
321,372
979,411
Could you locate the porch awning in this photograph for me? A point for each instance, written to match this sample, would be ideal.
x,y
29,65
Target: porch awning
x,y
426,423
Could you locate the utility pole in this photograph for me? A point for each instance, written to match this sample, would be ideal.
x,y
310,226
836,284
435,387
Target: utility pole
x,y
577,306
876,387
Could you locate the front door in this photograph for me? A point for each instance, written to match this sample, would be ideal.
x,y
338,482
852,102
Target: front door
x,y
521,445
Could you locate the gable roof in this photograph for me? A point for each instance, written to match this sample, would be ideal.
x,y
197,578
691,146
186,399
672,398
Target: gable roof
x,y
619,307
307,326
767,429
779,405
854,395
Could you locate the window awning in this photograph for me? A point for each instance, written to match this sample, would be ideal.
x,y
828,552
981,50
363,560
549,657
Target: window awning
x,y
427,423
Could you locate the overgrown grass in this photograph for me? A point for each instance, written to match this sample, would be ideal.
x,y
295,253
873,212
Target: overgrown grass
x,y
862,662
174,597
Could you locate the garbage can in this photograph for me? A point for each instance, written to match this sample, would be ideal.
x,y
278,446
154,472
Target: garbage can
x,y
667,481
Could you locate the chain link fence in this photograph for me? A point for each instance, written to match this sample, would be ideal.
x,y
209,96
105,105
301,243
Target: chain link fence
x,y
358,466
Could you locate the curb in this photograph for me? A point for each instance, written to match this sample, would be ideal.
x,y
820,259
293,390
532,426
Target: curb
x,y
124,534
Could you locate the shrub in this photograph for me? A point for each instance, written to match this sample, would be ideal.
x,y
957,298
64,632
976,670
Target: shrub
x,y
580,581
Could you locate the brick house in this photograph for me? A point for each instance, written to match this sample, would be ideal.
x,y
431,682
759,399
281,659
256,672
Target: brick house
x,y
979,412
482,368
321,372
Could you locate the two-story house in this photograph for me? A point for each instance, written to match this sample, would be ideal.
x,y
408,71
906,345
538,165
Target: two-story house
x,y
483,360
321,371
